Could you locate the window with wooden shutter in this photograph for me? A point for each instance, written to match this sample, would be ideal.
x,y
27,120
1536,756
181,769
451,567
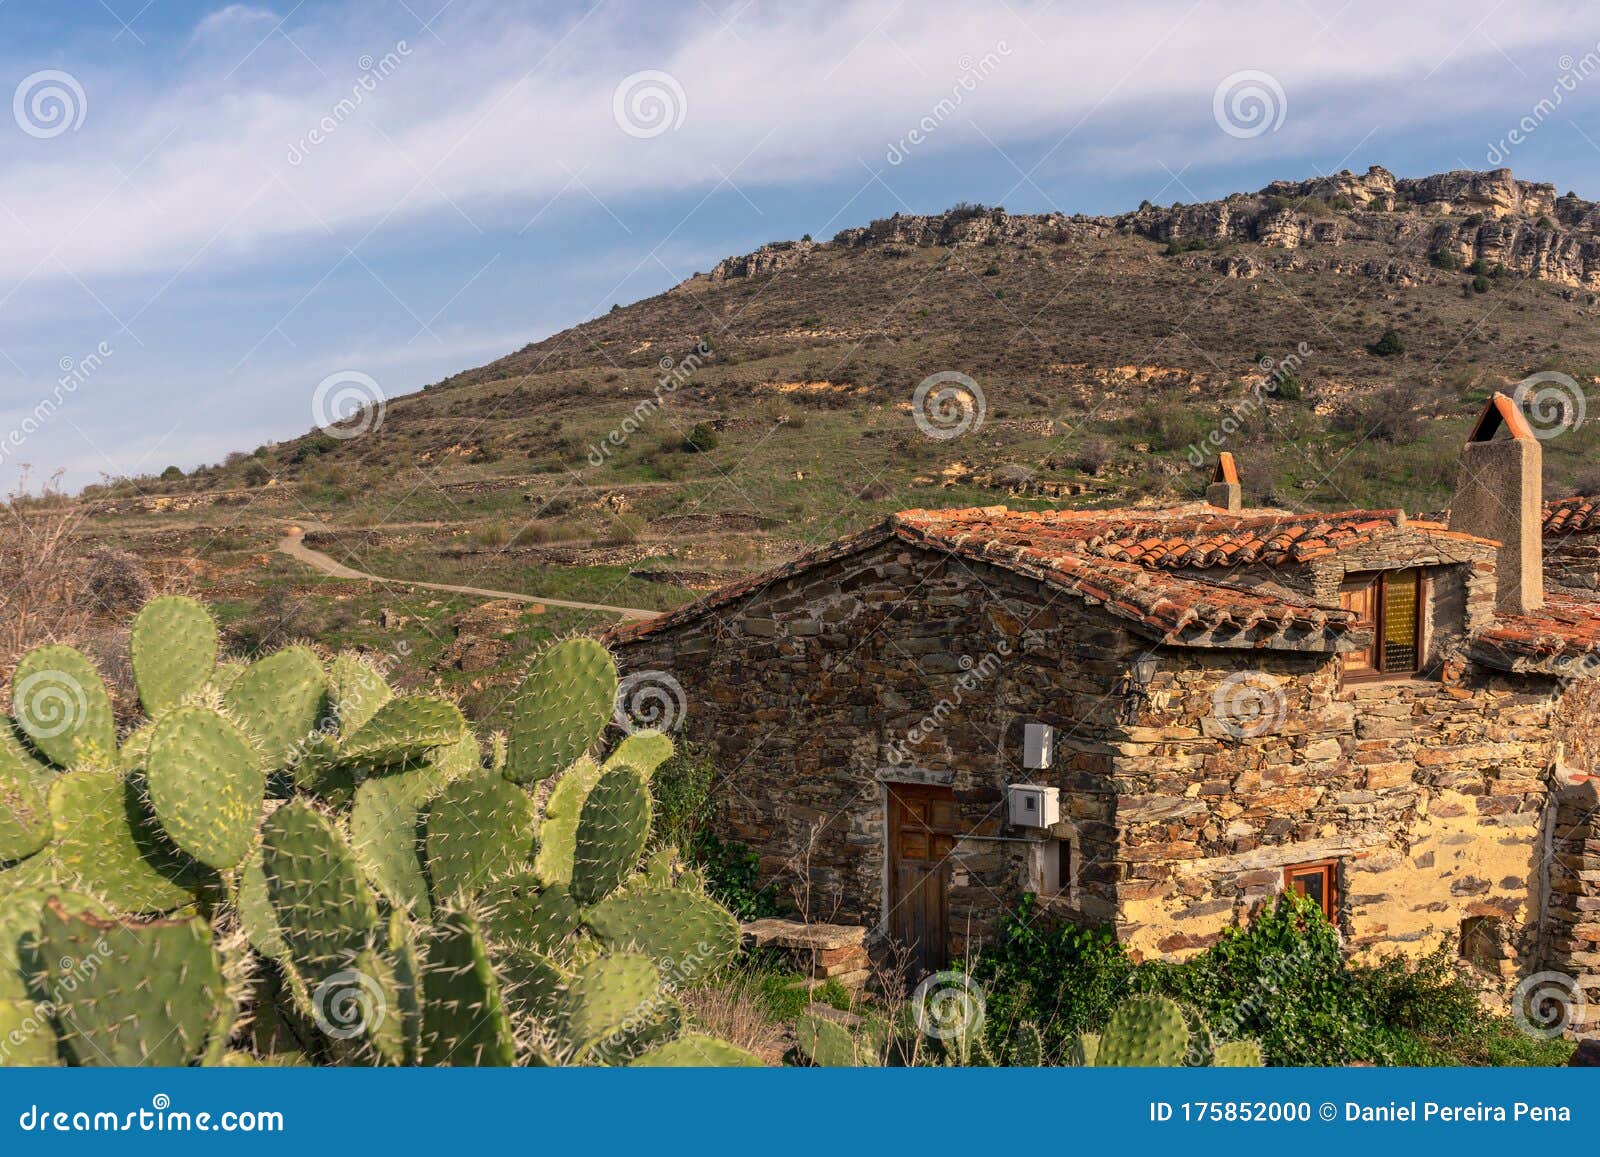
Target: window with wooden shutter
x,y
1318,882
1389,605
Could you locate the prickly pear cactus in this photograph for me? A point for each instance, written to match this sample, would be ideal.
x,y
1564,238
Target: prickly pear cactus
x,y
611,834
324,910
134,994
173,649
206,784
1144,1031
397,908
694,1050
1237,1054
61,706
561,709
479,830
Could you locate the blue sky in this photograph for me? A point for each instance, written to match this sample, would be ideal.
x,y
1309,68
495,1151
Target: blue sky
x,y
215,207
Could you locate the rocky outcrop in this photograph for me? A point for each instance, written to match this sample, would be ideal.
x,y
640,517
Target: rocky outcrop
x,y
1440,224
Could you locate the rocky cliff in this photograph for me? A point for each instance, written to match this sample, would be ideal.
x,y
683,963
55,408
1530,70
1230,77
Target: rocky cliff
x,y
1433,225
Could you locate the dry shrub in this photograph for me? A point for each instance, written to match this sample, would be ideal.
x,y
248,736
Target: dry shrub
x,y
41,575
116,582
731,1009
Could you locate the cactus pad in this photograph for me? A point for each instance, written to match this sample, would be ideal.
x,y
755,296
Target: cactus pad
x,y
356,689
611,834
826,1043
479,829
607,998
106,842
695,1051
132,994
1144,1031
206,784
688,936
325,912
61,705
173,647
385,828
520,913
643,750
403,730
279,700
27,1038
561,709
1237,1054
24,810
558,833
254,905
464,1020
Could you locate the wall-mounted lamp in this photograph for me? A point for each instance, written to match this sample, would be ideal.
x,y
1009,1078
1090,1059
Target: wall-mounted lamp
x,y
1134,687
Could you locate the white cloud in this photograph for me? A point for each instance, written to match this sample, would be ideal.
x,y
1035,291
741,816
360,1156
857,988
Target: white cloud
x,y
506,113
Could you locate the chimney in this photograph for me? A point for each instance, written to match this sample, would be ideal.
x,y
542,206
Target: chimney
x,y
1224,491
1500,495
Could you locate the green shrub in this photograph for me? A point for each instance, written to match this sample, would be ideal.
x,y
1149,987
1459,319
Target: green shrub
x,y
700,439
1388,345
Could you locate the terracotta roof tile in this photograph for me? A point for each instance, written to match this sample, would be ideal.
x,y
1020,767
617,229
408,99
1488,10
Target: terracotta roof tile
x,y
1572,516
1560,638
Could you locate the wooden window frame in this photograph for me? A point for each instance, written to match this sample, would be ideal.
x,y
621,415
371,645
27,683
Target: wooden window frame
x,y
1378,580
1330,883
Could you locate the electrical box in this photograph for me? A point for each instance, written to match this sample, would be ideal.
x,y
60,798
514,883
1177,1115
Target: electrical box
x,y
1028,805
1038,746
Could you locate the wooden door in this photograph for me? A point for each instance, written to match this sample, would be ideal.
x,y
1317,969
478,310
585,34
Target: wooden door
x,y
922,835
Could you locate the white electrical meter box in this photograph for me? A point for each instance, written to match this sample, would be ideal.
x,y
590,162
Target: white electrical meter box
x,y
1029,805
1038,746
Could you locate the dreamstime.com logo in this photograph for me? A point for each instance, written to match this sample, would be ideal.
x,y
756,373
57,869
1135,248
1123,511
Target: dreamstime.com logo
x,y
1249,704
1249,103
1546,1004
49,703
649,103
1552,402
949,1006
347,404
159,1117
948,404
48,103
650,700
349,1004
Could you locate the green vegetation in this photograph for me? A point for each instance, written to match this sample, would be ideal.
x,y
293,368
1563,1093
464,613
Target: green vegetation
x,y
288,862
1283,980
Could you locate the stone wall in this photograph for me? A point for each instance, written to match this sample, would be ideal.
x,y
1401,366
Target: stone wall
x,y
897,664
1573,918
1429,794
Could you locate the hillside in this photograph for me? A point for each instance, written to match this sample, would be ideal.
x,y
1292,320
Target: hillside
x,y
766,404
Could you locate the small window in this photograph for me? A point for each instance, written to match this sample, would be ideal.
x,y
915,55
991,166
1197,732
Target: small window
x,y
1052,868
1318,883
1389,605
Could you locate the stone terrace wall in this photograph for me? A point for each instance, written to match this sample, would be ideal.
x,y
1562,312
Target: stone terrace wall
x,y
1574,911
1430,794
804,689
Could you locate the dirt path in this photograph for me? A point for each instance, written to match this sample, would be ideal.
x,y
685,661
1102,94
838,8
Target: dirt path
x,y
293,545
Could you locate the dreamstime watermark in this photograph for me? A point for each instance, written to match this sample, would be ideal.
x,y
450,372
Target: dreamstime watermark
x,y
36,1027
972,74
349,1004
650,700
674,374
48,103
1249,103
649,103
974,674
949,1006
948,404
1279,372
1546,1004
49,703
74,373
347,404
1249,704
1552,402
1570,74
373,73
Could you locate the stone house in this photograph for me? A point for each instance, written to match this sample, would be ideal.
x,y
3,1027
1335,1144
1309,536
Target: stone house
x,y
1159,720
